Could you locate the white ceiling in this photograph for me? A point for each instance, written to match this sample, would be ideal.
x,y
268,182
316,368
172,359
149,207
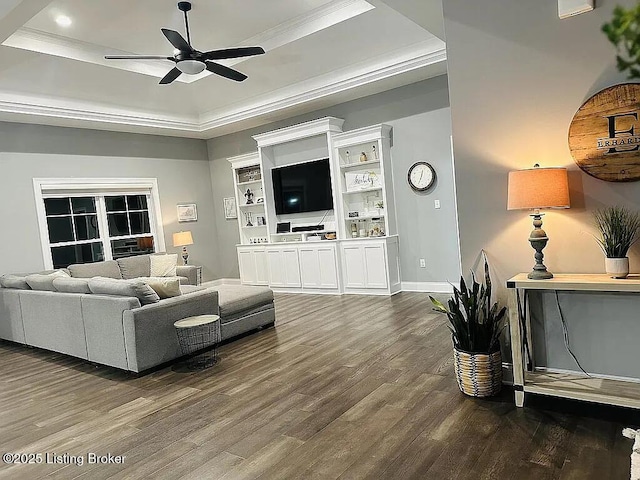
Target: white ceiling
x,y
319,53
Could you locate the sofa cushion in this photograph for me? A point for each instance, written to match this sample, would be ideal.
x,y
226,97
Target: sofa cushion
x,y
124,288
163,265
187,288
19,282
239,298
165,287
108,269
134,267
38,281
71,285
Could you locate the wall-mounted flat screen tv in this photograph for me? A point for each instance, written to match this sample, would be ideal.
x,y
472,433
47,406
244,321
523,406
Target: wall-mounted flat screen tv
x,y
304,187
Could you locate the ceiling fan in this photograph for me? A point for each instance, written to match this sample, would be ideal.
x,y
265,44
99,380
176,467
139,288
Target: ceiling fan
x,y
189,60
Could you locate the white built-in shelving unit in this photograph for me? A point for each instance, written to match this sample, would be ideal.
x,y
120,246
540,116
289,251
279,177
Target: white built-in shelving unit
x,y
252,219
331,260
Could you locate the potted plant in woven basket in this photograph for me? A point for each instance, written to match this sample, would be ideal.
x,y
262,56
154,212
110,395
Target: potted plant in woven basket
x,y
475,327
619,229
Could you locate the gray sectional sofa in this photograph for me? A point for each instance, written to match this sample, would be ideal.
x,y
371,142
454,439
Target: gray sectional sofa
x,y
122,331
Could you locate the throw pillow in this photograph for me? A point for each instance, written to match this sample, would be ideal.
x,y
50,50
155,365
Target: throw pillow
x,y
163,265
38,281
165,287
124,288
71,285
17,282
134,267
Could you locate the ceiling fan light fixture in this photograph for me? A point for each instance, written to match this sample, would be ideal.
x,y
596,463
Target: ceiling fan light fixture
x,y
191,67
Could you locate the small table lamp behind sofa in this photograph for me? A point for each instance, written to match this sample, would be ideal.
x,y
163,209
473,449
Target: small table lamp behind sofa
x,y
182,239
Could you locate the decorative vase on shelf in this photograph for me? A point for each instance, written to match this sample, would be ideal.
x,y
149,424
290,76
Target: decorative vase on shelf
x,y
363,157
617,267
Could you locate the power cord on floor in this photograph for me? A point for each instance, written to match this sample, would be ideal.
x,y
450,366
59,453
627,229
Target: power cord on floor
x,y
565,332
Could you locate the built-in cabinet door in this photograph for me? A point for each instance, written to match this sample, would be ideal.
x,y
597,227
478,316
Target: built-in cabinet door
x,y
291,267
247,265
309,267
318,267
328,267
354,268
376,265
262,267
276,268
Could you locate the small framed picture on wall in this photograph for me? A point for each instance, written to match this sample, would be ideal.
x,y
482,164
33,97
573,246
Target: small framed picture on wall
x,y
187,212
230,210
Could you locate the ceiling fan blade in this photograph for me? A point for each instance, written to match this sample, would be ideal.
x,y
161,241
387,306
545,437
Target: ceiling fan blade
x,y
171,76
177,40
232,53
136,57
225,71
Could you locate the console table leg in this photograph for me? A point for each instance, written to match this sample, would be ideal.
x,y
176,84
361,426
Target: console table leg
x,y
515,332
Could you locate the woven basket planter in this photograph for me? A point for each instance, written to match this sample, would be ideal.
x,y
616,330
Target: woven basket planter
x,y
478,374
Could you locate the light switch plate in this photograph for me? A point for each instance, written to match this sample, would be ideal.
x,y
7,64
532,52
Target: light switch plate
x,y
569,8
436,203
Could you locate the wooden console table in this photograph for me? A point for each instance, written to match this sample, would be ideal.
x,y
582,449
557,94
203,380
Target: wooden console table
x,y
578,387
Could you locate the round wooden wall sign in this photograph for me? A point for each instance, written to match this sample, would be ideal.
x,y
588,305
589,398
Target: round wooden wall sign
x,y
604,136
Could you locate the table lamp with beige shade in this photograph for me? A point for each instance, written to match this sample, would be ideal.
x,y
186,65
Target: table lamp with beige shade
x,y
182,239
534,189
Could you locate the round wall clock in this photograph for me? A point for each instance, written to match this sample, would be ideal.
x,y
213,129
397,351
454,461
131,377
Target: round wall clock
x,y
421,176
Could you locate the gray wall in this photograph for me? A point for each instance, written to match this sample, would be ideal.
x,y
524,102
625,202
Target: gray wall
x,y
603,342
419,114
28,151
517,74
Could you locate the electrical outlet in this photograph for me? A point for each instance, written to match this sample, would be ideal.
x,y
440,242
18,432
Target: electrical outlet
x,y
436,203
423,263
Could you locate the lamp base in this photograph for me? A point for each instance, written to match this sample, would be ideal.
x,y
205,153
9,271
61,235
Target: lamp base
x,y
538,239
185,255
539,275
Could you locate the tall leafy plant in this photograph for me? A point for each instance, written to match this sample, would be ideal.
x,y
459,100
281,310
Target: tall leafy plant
x,y
619,230
475,324
624,32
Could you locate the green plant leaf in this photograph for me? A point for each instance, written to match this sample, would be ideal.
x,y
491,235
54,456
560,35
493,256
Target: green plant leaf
x,y
475,324
623,31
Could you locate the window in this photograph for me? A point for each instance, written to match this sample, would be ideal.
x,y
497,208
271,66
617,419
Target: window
x,y
97,220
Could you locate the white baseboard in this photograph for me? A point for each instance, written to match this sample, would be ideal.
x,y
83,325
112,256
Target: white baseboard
x,y
431,287
221,281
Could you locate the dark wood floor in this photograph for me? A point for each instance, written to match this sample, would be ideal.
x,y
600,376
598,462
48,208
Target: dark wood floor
x,y
343,387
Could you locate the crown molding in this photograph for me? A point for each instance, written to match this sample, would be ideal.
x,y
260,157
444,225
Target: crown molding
x,y
425,54
245,160
365,134
74,110
320,126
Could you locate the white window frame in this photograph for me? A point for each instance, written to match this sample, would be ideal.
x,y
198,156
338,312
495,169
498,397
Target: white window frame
x,y
70,187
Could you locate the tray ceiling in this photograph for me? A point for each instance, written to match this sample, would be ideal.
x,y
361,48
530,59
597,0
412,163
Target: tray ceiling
x,y
319,52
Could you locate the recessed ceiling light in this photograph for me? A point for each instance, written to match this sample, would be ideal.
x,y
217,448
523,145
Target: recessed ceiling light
x,y
63,21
